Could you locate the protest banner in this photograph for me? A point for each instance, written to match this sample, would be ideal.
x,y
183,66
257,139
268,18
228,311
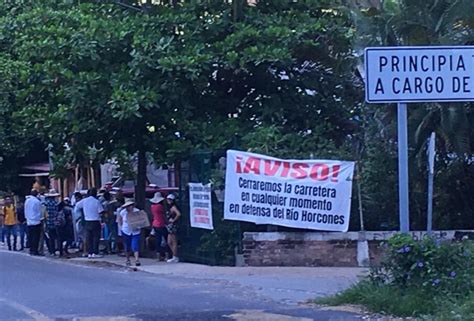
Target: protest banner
x,y
138,220
309,194
200,205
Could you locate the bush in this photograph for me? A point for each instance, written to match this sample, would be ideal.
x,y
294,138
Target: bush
x,y
432,265
457,310
386,299
427,278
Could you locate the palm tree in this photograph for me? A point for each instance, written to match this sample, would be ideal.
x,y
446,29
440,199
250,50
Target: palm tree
x,y
427,22
410,23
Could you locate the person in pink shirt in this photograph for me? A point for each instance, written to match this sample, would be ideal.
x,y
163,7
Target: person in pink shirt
x,y
159,222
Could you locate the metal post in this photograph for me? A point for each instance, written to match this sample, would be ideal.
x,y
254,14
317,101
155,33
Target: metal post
x,y
429,225
431,160
359,196
403,167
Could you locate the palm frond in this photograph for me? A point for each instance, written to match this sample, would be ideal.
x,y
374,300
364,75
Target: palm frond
x,y
455,124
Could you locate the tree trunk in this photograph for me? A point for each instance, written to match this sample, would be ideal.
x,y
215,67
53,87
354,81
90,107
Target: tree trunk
x,y
76,177
140,188
93,180
237,10
65,187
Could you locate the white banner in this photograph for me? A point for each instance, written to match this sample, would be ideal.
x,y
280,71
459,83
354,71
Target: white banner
x,y
200,206
310,194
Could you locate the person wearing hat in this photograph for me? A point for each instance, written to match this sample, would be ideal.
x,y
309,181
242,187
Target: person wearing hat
x,y
66,230
158,224
109,218
130,236
173,216
53,221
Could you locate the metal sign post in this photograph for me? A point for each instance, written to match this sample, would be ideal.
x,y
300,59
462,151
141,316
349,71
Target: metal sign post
x,y
403,167
431,160
417,74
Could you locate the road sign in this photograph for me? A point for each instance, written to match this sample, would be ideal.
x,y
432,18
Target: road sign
x,y
419,74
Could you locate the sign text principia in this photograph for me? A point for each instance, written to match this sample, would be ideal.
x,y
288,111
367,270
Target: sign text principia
x,y
419,74
311,194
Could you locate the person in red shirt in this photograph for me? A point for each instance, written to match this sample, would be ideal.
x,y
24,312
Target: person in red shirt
x,y
158,212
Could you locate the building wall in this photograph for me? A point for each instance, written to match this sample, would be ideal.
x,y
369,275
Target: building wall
x,y
319,248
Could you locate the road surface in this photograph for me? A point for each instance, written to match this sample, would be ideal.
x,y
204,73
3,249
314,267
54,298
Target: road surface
x,y
33,288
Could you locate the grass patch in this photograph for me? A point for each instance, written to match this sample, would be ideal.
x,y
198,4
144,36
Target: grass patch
x,y
384,299
457,310
427,279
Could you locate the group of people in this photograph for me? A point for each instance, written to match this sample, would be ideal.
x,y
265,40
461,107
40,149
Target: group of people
x,y
84,221
12,223
42,219
164,228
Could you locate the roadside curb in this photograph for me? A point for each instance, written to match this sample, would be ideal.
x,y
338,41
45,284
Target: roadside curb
x,y
100,263
77,261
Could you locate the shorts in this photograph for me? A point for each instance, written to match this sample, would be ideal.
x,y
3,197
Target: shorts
x,y
131,242
172,228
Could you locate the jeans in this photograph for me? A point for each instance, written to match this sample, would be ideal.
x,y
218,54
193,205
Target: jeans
x,y
21,228
42,238
52,240
93,230
9,232
34,232
2,233
110,235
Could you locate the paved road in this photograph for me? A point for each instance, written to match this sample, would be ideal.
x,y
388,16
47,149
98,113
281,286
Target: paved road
x,y
288,284
42,289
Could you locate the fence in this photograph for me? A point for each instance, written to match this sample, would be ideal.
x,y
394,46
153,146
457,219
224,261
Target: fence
x,y
217,247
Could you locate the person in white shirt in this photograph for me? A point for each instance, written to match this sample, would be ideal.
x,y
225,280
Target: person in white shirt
x,y
131,237
92,209
33,220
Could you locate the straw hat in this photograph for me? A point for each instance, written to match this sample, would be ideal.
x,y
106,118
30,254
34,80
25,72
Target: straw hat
x,y
157,198
115,190
128,202
52,193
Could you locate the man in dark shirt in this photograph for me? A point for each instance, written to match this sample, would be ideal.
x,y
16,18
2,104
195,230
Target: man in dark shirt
x,y
52,220
21,224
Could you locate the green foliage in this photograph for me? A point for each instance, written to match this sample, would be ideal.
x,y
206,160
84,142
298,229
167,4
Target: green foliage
x,y
379,175
385,299
407,22
432,265
457,310
418,278
276,78
221,242
100,70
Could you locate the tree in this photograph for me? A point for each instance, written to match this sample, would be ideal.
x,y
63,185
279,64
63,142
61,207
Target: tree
x,y
167,79
433,22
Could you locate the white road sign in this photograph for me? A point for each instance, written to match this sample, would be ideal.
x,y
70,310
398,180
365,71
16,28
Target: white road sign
x,y
419,74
